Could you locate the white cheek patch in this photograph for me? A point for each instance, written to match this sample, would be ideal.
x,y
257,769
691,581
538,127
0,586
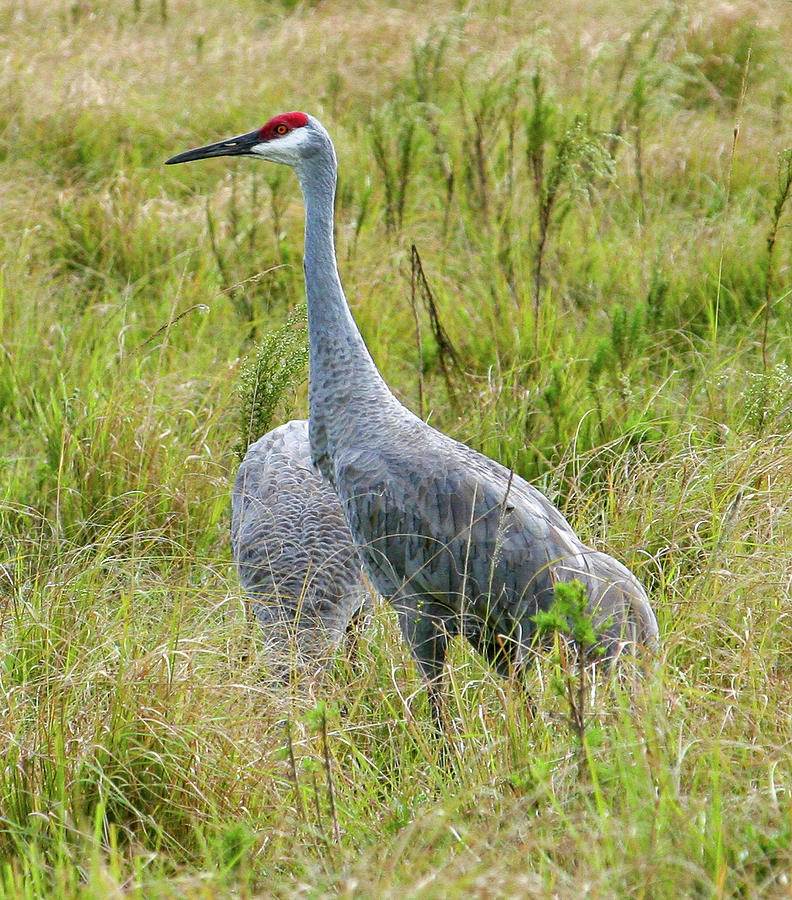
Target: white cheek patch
x,y
287,145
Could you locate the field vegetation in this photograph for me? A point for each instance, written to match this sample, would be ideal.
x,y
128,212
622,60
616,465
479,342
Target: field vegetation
x,y
564,230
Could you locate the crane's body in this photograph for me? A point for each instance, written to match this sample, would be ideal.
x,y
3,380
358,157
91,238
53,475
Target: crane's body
x,y
293,550
457,542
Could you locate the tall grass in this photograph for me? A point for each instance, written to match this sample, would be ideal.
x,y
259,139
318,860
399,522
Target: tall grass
x,y
570,187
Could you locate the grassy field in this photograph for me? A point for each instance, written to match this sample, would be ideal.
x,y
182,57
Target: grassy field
x,y
599,196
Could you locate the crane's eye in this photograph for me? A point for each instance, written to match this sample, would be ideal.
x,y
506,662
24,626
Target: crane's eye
x,y
281,128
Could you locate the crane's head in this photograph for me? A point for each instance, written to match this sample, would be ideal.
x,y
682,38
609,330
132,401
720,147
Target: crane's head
x,y
289,138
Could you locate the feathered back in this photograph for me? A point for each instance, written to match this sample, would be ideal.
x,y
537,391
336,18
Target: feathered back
x,y
292,546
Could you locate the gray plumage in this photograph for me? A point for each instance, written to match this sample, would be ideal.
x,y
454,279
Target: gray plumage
x,y
293,549
456,542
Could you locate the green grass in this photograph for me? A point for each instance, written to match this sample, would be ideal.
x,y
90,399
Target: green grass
x,y
612,268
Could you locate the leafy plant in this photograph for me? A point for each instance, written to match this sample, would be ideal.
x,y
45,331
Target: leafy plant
x,y
568,618
564,161
279,362
617,353
393,141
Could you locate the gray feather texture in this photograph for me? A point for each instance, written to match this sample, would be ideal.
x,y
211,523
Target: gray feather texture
x,y
293,549
462,545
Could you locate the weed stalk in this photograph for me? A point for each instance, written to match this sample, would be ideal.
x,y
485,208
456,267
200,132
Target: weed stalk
x,y
783,191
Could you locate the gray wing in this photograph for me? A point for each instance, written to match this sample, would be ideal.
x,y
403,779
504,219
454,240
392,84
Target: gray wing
x,y
620,605
459,531
292,546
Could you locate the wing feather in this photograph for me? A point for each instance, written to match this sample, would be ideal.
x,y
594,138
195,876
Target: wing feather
x,y
465,532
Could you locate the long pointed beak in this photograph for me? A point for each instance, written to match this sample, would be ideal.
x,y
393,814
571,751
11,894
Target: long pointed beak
x,y
237,146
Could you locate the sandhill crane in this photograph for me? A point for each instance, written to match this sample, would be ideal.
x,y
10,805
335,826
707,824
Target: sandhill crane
x,y
294,551
456,541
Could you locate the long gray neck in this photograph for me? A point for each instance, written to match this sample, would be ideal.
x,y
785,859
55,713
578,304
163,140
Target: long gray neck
x,y
345,386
